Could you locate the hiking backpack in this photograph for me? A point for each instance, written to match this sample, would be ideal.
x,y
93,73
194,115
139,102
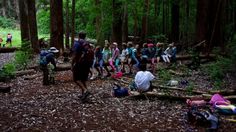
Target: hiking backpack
x,y
43,59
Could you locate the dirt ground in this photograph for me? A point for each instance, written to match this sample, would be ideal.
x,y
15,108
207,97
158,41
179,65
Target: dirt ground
x,y
33,107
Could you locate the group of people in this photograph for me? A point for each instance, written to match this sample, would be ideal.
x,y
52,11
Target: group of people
x,y
132,55
8,41
88,59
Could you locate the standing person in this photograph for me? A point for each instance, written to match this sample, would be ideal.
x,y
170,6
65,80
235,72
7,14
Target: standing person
x,y
115,57
9,39
106,54
1,40
48,65
99,61
123,57
81,64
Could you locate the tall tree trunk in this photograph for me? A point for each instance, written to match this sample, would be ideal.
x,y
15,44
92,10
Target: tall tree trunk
x,y
4,14
73,23
201,21
99,32
145,20
23,21
214,35
163,17
175,21
135,17
116,22
56,24
17,9
67,25
125,23
186,23
156,15
33,25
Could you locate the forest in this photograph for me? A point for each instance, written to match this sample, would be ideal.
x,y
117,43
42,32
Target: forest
x,y
81,65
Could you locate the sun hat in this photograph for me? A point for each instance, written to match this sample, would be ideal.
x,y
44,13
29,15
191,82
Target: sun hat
x,y
53,50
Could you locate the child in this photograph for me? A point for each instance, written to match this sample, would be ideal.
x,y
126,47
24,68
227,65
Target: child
x,y
99,61
123,57
106,54
115,57
143,79
158,52
151,56
132,57
9,39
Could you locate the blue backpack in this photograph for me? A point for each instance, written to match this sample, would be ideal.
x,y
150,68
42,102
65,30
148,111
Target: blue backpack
x,y
43,59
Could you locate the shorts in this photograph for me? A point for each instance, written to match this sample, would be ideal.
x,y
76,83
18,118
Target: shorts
x,y
81,71
8,40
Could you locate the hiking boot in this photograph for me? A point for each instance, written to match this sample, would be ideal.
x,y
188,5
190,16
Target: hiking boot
x,y
85,95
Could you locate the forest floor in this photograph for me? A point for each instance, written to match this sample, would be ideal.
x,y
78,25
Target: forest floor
x,y
33,107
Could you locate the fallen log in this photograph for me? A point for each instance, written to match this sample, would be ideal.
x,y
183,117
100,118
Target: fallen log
x,y
7,50
25,72
63,67
178,89
31,77
207,97
188,57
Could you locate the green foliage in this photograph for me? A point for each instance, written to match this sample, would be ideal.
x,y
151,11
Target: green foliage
x,y
43,21
7,72
7,23
22,57
223,65
164,75
189,88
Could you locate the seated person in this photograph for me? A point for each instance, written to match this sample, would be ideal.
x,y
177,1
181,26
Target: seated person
x,y
143,79
170,53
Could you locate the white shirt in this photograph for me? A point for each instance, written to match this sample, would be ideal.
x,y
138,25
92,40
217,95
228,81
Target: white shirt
x,y
142,80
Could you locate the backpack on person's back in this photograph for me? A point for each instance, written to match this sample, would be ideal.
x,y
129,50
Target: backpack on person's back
x,y
43,58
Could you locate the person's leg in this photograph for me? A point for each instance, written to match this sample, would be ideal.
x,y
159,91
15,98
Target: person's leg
x,y
81,86
112,65
45,75
153,65
117,61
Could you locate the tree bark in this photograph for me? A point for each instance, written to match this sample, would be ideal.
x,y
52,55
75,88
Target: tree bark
x,y
4,14
202,20
67,25
23,21
17,9
56,24
73,23
99,32
116,22
175,21
145,20
33,25
125,23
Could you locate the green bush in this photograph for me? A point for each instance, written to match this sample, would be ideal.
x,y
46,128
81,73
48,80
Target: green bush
x,y
164,75
7,72
223,65
23,56
7,23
